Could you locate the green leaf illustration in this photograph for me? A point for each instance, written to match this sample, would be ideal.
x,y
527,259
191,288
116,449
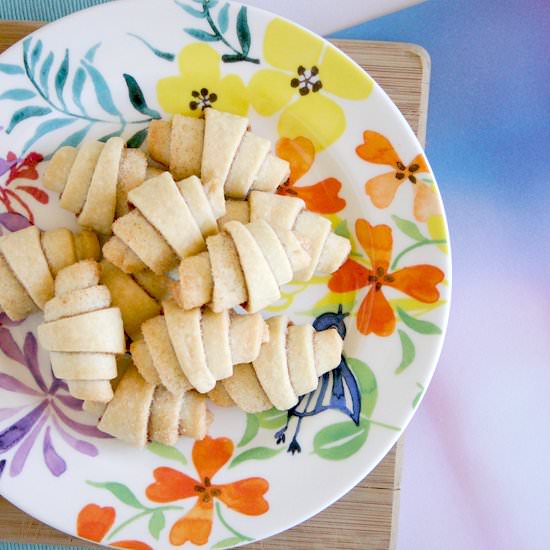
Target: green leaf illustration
x,y
409,228
8,68
25,113
272,419
74,140
157,522
35,55
418,395
243,30
223,19
252,427
90,54
45,128
408,352
61,78
167,56
45,72
191,11
78,84
226,543
341,440
137,139
102,91
423,327
137,99
202,35
121,492
342,229
18,94
165,451
256,453
367,385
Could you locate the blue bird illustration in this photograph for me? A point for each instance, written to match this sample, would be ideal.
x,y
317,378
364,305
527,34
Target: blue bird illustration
x,y
337,390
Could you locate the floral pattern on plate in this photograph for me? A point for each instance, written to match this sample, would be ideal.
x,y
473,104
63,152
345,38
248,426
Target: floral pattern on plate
x,y
352,159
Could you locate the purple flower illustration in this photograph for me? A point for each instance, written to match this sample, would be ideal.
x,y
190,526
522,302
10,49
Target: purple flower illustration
x,y
48,414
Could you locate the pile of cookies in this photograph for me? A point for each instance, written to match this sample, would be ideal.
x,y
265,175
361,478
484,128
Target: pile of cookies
x,y
195,243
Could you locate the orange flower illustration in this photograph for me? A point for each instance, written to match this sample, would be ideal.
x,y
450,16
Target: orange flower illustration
x,y
375,313
382,189
94,522
321,197
209,456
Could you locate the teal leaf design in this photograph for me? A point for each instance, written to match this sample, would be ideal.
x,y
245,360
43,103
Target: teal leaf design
x,y
171,453
9,68
78,84
202,35
137,139
61,78
243,30
25,113
256,453
227,543
167,56
45,128
35,55
90,54
409,228
408,352
422,327
340,441
367,385
18,94
137,99
102,91
121,492
223,19
251,430
75,139
157,523
45,72
272,419
192,11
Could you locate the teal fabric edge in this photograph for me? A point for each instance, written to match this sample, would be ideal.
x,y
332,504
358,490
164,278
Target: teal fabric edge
x,y
42,10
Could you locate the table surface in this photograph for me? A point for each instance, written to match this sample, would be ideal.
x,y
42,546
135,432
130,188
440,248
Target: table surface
x,y
365,518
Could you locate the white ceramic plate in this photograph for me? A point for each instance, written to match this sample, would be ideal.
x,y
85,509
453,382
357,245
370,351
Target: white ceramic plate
x,y
109,70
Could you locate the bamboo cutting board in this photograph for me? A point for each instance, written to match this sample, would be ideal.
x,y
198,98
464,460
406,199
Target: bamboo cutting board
x,y
365,518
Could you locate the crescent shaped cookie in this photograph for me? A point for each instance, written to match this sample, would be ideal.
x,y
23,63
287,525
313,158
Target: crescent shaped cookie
x,y
127,415
164,419
164,357
98,331
80,176
23,253
246,391
99,208
57,171
246,165
271,366
163,206
261,285
186,143
184,328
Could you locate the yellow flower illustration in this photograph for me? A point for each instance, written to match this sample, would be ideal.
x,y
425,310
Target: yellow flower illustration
x,y
200,85
305,73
